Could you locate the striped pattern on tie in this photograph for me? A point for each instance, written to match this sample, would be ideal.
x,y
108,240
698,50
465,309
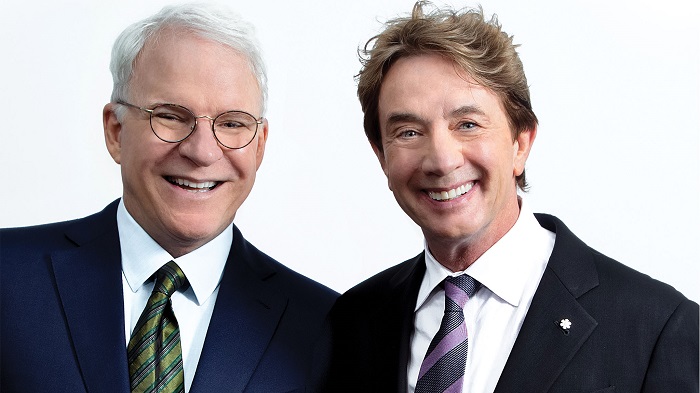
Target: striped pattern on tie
x,y
154,352
442,369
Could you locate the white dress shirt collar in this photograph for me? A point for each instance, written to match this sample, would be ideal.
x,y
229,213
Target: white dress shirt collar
x,y
142,257
510,272
507,255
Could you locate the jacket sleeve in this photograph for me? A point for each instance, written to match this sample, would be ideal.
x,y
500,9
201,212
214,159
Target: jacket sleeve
x,y
674,363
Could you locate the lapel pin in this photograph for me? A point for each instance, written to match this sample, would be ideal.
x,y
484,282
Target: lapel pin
x,y
565,325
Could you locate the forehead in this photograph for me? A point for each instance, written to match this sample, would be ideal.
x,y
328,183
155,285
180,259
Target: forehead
x,y
431,85
180,66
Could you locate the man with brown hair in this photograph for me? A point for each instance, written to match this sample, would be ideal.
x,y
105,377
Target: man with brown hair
x,y
501,299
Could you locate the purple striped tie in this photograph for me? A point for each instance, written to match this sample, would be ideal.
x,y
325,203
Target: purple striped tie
x,y
442,369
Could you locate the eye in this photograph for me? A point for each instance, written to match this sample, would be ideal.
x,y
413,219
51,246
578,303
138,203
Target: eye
x,y
167,116
405,134
230,124
172,114
466,125
408,134
235,121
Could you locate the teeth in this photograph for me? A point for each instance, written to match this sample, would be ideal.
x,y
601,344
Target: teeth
x,y
204,186
451,194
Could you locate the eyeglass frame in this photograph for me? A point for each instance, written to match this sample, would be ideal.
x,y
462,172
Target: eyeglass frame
x,y
258,122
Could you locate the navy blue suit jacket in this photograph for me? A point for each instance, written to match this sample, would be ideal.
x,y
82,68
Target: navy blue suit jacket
x,y
62,315
629,332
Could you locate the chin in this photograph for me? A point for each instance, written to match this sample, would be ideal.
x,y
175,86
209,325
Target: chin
x,y
450,229
195,231
449,234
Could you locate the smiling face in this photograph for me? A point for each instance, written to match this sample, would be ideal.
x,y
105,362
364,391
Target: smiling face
x,y
185,194
449,156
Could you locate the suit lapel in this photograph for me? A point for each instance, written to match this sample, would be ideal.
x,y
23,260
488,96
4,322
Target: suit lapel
x,y
400,310
247,311
89,284
543,348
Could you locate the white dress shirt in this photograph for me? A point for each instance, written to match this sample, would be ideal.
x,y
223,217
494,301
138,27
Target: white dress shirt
x,y
203,267
509,273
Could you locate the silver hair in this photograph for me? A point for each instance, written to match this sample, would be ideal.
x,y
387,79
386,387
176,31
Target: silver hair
x,y
209,21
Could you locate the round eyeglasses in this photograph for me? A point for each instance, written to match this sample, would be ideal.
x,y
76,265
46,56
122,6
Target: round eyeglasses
x,y
174,123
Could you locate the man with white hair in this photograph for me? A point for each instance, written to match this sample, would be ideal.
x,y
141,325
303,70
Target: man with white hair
x,y
160,292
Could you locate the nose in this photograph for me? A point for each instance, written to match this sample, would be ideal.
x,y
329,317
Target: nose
x,y
442,153
201,147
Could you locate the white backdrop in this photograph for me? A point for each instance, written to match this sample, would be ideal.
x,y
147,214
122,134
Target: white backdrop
x,y
615,84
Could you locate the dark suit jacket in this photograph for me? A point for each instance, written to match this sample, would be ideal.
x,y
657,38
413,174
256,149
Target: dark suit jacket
x,y
62,316
629,332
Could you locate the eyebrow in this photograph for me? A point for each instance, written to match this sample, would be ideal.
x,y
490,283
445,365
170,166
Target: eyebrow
x,y
401,117
467,110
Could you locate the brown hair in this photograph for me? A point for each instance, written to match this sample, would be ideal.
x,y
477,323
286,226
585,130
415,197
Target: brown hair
x,y
475,44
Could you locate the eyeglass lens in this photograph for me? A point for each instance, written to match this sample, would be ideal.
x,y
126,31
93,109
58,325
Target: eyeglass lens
x,y
173,123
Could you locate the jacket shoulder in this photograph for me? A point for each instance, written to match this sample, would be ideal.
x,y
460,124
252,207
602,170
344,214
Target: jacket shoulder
x,y
386,287
385,280
637,291
607,287
25,242
293,284
636,318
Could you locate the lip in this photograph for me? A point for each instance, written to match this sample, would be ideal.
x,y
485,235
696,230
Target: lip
x,y
192,185
449,194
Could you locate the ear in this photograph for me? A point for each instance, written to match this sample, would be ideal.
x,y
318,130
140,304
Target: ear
x,y
521,149
262,139
112,130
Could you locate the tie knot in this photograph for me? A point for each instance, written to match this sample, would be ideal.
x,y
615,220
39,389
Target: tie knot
x,y
169,279
459,289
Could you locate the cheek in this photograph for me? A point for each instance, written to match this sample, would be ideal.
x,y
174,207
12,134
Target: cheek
x,y
133,145
498,154
482,157
242,164
143,157
129,154
401,168
396,164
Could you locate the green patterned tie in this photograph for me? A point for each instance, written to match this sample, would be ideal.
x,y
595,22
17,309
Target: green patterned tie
x,y
154,352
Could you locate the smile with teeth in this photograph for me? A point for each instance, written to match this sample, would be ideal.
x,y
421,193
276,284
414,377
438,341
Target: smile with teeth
x,y
450,194
192,186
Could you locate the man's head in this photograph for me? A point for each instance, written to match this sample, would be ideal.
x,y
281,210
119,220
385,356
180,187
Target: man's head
x,y
184,192
447,111
207,21
479,47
